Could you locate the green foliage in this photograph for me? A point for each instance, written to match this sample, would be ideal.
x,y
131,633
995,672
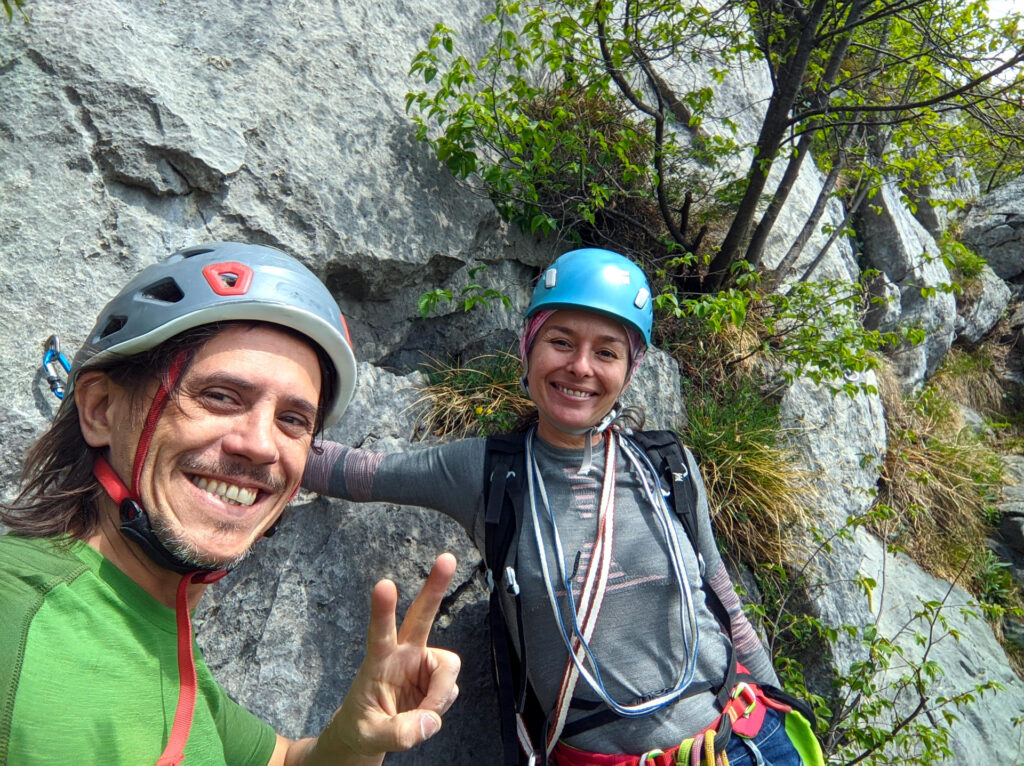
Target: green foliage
x,y
10,6
539,120
576,125
996,586
962,262
470,296
814,329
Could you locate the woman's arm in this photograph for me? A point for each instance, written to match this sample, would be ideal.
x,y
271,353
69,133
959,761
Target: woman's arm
x,y
447,477
749,649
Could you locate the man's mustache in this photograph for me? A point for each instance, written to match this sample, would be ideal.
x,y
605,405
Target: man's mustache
x,y
233,471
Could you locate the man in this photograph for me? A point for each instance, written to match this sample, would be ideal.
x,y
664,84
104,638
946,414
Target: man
x,y
190,412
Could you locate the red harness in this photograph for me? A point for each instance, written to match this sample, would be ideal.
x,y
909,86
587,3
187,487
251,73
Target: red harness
x,y
745,710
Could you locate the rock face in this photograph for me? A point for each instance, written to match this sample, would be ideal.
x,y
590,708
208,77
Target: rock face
x,y
897,245
981,306
841,442
994,228
130,129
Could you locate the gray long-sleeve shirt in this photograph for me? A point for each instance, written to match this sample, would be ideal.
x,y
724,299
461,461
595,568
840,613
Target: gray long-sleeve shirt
x,y
638,640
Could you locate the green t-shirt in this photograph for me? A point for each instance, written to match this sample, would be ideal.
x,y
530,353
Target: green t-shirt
x,y
88,663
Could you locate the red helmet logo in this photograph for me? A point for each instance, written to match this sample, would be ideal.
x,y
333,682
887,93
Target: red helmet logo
x,y
228,278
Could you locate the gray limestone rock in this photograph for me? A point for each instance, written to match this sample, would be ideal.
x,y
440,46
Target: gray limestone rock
x,y
896,244
902,607
982,304
129,129
994,228
842,441
883,312
1011,528
936,206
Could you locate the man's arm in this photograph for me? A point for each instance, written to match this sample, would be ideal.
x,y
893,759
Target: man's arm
x,y
401,690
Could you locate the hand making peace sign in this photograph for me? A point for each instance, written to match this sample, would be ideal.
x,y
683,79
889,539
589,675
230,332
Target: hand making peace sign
x,y
403,686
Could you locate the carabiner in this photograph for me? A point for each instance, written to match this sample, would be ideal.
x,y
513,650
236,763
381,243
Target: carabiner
x,y
745,690
52,355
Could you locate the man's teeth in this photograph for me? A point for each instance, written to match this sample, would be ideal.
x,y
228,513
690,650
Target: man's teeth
x,y
233,494
571,392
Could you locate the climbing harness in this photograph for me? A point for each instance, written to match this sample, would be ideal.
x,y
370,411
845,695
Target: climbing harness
x,y
52,356
743,715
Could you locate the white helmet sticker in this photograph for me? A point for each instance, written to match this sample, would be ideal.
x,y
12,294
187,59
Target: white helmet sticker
x,y
550,278
641,298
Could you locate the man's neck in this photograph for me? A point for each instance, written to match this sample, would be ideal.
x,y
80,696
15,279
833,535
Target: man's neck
x,y
160,583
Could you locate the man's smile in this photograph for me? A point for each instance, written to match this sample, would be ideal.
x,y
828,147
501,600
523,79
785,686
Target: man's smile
x,y
230,493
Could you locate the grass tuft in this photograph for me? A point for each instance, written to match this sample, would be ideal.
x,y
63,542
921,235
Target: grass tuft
x,y
756,493
940,480
479,398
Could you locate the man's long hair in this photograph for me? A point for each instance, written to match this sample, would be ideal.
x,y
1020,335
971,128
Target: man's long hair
x,y
58,489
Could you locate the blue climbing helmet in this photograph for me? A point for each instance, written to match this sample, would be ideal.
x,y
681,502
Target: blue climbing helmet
x,y
222,282
597,280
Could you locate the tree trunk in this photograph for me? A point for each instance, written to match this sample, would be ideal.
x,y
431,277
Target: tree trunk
x,y
773,131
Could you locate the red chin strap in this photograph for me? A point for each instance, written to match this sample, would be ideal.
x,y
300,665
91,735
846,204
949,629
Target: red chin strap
x,y
174,752
107,476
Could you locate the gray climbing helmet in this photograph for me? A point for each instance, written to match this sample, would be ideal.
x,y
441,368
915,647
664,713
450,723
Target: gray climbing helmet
x,y
222,282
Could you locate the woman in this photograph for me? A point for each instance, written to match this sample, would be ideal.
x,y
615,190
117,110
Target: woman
x,y
635,634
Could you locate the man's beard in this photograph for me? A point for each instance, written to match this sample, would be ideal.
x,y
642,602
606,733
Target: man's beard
x,y
188,552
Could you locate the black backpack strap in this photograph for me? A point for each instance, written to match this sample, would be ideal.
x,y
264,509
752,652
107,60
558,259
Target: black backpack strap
x,y
504,488
666,454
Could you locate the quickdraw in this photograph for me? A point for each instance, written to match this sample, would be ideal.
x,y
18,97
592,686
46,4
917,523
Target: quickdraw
x,y
52,355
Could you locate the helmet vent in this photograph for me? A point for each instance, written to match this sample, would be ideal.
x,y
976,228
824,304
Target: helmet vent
x,y
165,291
228,278
199,250
113,324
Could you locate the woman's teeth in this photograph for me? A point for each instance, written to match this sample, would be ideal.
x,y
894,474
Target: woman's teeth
x,y
571,392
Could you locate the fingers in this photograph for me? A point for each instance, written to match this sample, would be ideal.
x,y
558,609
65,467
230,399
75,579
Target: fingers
x,y
407,730
442,689
381,635
420,617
